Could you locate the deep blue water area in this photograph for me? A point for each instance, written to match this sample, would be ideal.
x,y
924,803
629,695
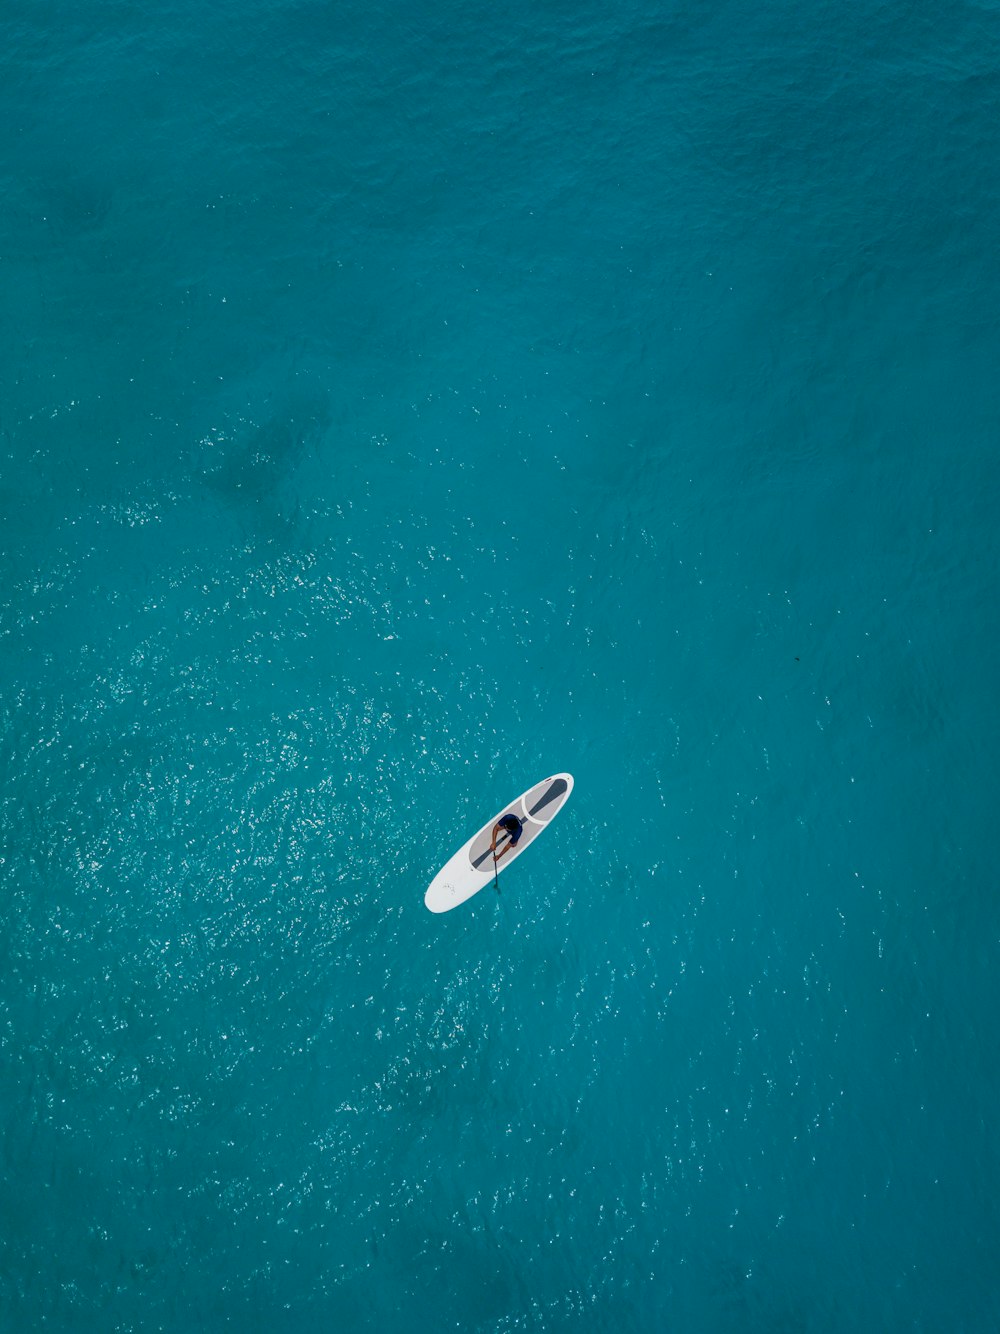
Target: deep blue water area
x,y
398,406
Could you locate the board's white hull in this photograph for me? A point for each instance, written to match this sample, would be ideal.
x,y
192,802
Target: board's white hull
x,y
471,868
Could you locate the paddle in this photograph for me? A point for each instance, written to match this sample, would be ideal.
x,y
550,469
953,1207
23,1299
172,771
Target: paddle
x,y
496,877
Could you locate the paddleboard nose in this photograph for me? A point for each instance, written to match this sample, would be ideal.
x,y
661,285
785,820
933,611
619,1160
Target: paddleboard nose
x,y
441,900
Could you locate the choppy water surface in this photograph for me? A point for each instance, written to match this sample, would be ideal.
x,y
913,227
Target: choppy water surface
x,y
396,406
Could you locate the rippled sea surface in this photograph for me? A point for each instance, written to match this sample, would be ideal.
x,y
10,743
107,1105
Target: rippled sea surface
x,y
397,406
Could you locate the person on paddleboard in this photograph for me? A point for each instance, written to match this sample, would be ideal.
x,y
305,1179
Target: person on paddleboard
x,y
513,827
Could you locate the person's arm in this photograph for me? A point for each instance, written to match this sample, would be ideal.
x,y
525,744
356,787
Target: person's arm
x,y
505,849
496,830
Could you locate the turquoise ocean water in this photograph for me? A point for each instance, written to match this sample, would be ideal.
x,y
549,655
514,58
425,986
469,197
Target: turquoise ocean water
x,y
398,406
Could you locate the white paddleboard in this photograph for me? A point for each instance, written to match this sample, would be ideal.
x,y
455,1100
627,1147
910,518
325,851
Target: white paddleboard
x,y
471,868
